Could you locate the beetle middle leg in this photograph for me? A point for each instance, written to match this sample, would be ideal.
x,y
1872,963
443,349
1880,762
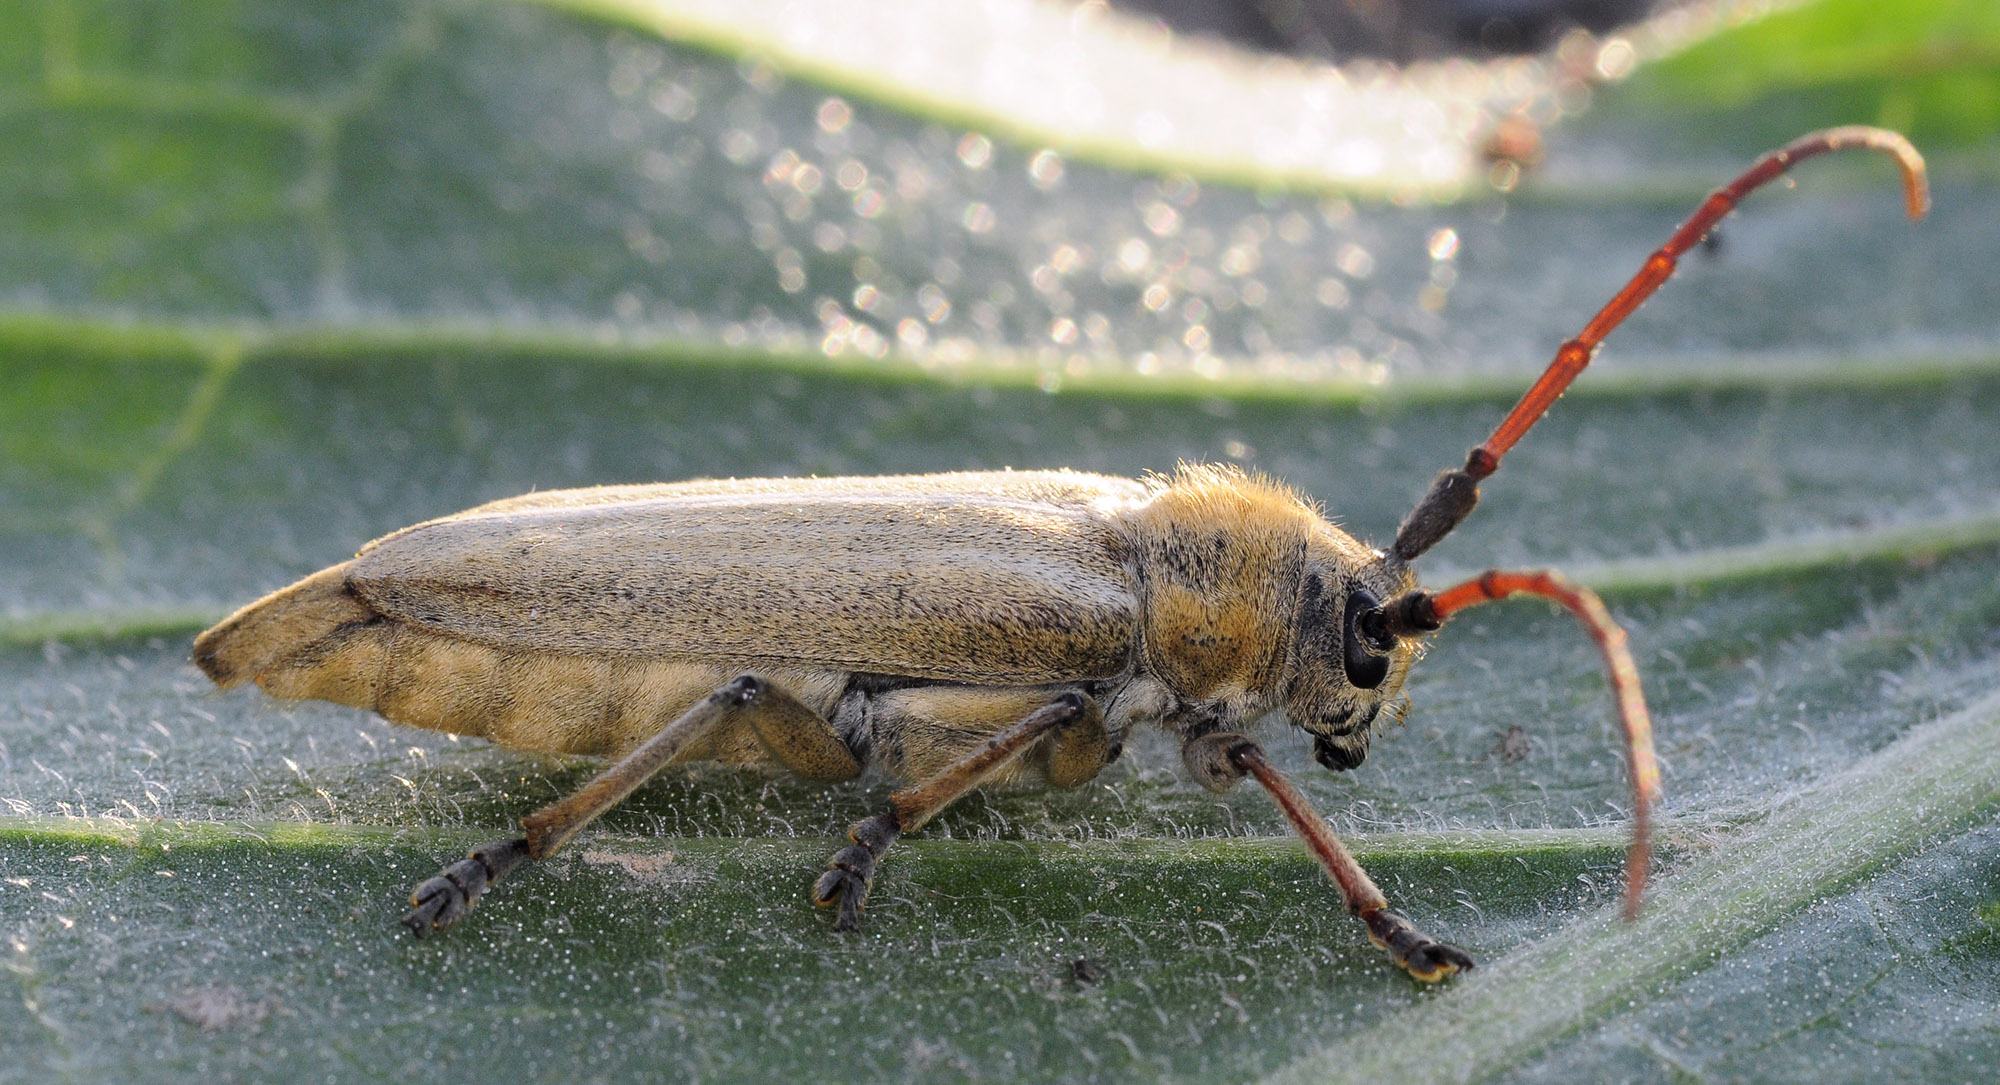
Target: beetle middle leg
x,y
796,735
1079,748
1220,759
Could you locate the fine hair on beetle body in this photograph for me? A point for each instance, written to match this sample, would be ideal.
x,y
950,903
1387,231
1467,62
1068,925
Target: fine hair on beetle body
x,y
947,630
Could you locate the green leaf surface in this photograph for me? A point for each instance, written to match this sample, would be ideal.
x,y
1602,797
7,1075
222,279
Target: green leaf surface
x,y
281,278
1929,68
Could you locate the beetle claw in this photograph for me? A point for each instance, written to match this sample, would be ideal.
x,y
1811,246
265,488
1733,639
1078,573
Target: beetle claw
x,y
842,890
845,886
1433,961
443,900
1424,957
429,904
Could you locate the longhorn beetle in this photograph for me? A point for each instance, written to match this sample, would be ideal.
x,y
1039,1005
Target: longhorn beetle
x,y
948,630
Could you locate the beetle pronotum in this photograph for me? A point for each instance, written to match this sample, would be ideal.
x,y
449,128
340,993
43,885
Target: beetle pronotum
x,y
947,630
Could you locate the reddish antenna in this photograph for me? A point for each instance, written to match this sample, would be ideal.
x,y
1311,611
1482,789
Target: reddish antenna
x,y
1453,494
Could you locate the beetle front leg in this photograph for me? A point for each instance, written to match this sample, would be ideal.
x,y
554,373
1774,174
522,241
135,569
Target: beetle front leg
x,y
845,886
1217,761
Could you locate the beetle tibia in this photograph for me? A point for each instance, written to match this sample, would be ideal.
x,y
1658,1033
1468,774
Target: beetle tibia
x,y
846,885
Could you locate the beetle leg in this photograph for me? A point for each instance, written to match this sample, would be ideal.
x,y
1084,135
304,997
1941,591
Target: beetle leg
x,y
853,867
1218,760
442,900
920,732
1079,751
800,738
552,826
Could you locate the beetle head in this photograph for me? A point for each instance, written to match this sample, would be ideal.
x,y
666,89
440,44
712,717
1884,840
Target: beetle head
x,y
1346,666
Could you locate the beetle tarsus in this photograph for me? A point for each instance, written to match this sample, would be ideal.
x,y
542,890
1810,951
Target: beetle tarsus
x,y
445,898
845,886
1424,957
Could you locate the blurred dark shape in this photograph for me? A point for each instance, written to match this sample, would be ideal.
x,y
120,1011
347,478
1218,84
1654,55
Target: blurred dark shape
x,y
1392,30
1510,146
1512,139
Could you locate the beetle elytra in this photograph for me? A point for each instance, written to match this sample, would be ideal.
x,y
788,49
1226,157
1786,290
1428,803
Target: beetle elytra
x,y
947,630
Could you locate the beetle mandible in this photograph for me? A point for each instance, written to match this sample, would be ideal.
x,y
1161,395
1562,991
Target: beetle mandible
x,y
947,630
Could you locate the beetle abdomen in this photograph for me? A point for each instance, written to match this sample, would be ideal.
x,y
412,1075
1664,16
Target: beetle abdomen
x,y
527,700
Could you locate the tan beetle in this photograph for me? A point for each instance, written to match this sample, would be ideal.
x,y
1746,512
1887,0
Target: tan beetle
x,y
948,630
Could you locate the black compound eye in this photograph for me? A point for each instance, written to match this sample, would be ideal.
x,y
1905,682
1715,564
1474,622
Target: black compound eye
x,y
1367,641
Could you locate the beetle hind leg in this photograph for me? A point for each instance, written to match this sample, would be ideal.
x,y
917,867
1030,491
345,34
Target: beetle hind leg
x,y
844,887
797,736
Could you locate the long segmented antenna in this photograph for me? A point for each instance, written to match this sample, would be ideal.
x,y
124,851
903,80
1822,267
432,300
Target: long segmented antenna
x,y
1422,611
1454,493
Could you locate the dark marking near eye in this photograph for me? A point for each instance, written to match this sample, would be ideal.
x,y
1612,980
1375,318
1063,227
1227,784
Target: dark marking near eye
x,y
1197,560
1315,588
